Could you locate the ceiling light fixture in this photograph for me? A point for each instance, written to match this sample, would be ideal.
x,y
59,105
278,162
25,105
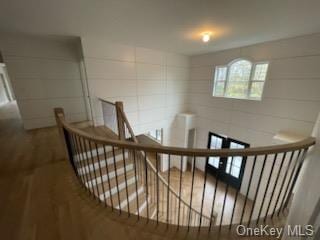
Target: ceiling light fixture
x,y
206,36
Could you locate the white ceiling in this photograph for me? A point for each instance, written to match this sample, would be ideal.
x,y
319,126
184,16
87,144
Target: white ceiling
x,y
172,25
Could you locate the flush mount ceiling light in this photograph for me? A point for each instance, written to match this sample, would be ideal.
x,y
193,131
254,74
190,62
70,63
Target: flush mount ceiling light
x,y
206,36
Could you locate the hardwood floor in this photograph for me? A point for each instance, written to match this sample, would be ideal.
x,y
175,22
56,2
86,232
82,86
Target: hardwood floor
x,y
40,198
198,191
221,193
209,194
25,150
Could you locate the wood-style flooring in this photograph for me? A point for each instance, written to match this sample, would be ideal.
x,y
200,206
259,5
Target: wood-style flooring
x,y
40,198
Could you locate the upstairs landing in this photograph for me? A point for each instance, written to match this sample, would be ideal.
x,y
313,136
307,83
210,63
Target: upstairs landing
x,y
41,199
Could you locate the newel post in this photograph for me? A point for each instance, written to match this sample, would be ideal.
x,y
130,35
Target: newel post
x,y
121,127
65,137
59,114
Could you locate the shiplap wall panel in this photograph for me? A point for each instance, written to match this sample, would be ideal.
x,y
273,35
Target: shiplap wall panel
x,y
101,50
153,72
45,73
110,88
147,102
291,99
150,56
151,87
110,69
219,58
152,84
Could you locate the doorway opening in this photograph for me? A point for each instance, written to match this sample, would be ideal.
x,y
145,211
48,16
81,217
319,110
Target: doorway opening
x,y
6,94
8,105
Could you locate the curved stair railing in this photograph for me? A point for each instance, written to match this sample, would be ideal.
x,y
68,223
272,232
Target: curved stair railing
x,y
167,216
126,176
113,113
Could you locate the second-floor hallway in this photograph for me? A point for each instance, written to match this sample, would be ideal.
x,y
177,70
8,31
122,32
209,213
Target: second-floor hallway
x,y
41,199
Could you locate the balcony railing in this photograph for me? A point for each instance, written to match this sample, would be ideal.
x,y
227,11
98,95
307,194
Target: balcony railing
x,y
127,176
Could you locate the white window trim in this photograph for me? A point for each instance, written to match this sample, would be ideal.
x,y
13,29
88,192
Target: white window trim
x,y
253,67
154,138
251,80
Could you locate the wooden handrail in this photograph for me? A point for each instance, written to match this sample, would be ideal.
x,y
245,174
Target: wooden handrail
x,y
164,181
310,141
125,119
142,149
102,100
120,120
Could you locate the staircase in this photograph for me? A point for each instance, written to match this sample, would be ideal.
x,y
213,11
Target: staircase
x,y
116,178
115,169
111,176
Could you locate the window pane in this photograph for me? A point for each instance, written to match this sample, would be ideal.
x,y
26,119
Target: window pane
x,y
238,79
256,89
221,74
237,161
235,80
234,145
153,133
214,161
215,143
235,172
240,71
235,168
156,134
228,167
219,79
237,89
260,72
219,89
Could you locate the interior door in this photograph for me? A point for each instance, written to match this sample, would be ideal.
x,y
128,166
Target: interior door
x,y
231,169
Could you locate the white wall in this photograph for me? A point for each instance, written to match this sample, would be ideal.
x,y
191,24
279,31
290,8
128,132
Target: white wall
x,y
307,190
180,135
152,84
45,73
291,101
291,98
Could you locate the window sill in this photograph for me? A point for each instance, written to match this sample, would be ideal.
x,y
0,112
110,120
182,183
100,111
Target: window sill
x,y
249,99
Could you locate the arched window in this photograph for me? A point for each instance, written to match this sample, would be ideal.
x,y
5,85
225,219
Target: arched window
x,y
240,79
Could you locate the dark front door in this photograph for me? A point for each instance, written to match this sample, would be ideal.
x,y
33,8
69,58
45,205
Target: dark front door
x,y
231,169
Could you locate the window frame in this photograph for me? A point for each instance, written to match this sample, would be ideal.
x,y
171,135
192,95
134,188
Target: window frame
x,y
225,81
157,131
251,80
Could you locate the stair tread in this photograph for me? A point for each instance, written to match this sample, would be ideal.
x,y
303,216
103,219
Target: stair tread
x,y
152,207
102,131
133,204
131,191
86,157
111,168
